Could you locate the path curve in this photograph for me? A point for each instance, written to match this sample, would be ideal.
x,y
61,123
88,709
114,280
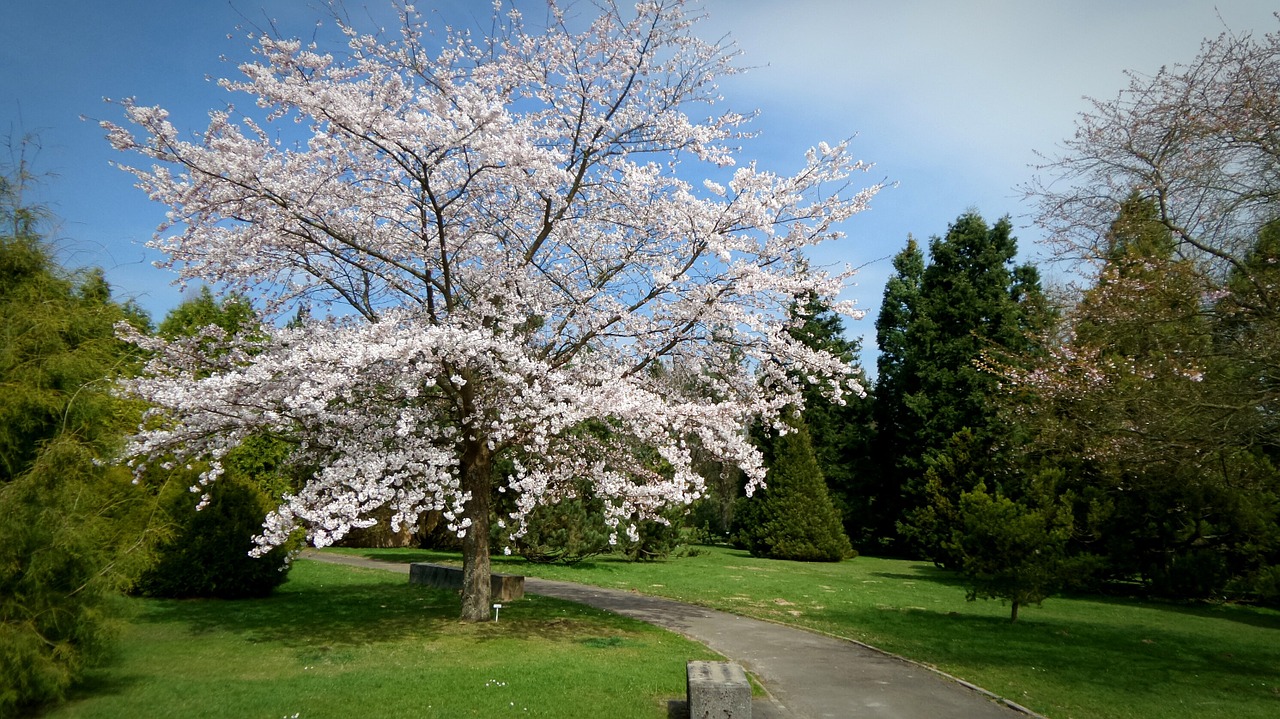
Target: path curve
x,y
808,675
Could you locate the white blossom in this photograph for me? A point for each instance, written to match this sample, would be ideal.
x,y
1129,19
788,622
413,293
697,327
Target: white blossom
x,y
508,239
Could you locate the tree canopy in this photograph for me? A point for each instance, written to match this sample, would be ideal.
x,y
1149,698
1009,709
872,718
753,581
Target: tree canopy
x,y
514,235
937,320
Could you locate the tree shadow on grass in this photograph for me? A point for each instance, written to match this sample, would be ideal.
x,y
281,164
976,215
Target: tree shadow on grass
x,y
341,614
360,614
407,556
924,573
1075,654
1239,613
102,680
1262,618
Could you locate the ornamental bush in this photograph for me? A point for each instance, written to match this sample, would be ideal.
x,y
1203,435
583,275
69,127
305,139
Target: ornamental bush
x,y
565,532
794,517
207,552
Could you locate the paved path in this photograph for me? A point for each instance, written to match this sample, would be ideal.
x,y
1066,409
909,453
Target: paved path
x,y
808,675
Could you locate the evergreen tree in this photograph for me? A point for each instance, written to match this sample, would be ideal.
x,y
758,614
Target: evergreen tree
x,y
1248,322
840,431
793,518
1013,549
970,298
969,301
953,469
71,522
232,315
891,459
1181,493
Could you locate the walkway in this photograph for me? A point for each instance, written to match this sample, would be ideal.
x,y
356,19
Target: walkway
x,y
808,675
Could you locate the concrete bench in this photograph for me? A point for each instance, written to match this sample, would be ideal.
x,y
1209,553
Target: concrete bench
x,y
505,587
718,690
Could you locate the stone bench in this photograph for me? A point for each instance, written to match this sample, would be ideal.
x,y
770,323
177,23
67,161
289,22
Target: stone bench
x,y
718,690
505,587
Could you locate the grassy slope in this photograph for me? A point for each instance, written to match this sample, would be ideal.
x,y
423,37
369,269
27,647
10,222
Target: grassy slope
x,y
343,642
1073,658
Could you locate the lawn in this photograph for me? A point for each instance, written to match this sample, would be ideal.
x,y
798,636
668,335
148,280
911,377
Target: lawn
x,y
343,642
1073,658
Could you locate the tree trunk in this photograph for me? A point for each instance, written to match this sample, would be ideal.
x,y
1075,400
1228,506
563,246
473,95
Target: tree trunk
x,y
477,469
1012,618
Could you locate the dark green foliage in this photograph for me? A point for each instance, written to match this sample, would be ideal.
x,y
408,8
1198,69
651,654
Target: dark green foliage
x,y
711,517
573,529
1160,420
564,532
207,552
951,471
1262,585
897,379
971,298
233,315
654,539
841,433
72,525
1010,549
935,325
793,518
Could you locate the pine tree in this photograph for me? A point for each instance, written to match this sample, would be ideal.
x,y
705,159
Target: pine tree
x,y
967,303
840,432
794,517
1010,549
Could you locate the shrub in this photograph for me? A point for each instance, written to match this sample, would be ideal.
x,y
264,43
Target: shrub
x,y
656,540
60,560
207,553
566,532
1266,585
794,517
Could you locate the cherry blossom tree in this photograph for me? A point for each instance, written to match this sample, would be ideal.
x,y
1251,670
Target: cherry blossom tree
x,y
1200,139
526,244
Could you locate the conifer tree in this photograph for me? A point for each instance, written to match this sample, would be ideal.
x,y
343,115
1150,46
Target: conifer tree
x,y
968,302
840,431
68,535
1015,550
1147,409
793,518
206,550
969,298
895,381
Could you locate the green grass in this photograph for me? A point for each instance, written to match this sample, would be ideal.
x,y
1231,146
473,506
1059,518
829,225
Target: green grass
x,y
343,642
1073,658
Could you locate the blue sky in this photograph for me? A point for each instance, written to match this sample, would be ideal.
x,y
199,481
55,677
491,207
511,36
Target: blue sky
x,y
950,98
